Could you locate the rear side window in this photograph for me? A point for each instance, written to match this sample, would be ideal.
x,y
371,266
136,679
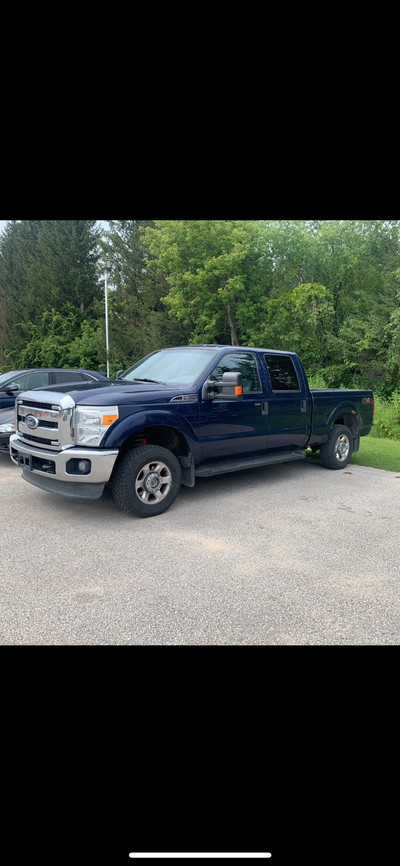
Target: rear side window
x,y
65,376
37,380
282,373
239,362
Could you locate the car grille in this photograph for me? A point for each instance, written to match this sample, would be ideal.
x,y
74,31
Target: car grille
x,y
45,419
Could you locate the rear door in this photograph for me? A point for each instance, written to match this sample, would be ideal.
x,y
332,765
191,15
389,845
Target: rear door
x,y
289,404
37,379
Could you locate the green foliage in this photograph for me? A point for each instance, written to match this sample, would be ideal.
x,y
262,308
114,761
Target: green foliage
x,y
215,270
387,417
139,321
87,349
329,290
18,247
299,321
57,341
46,267
317,381
354,339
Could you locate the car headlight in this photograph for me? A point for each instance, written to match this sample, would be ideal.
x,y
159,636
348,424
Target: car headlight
x,y
92,422
7,428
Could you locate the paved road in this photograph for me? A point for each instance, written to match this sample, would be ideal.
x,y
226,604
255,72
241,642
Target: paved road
x,y
293,554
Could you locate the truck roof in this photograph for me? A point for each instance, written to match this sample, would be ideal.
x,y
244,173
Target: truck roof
x,y
229,346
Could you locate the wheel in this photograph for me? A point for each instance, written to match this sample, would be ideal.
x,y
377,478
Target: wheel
x,y
146,481
336,452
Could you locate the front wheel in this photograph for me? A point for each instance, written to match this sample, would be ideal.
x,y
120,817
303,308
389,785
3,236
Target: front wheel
x,y
146,481
336,452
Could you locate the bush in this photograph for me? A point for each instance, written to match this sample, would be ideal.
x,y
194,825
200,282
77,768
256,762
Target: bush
x,y
387,417
317,381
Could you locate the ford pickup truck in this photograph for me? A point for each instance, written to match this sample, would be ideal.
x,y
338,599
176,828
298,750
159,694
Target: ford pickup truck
x,y
179,414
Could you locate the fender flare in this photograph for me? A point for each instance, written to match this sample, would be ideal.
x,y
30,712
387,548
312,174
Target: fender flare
x,y
123,429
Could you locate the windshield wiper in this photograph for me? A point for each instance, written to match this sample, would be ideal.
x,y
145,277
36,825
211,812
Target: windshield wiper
x,y
155,381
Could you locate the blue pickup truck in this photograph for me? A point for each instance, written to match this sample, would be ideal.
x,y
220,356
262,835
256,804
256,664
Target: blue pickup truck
x,y
178,414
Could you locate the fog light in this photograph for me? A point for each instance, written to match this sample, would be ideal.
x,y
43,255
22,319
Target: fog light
x,y
78,467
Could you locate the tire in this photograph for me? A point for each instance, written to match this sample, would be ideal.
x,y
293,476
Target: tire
x,y
146,481
337,451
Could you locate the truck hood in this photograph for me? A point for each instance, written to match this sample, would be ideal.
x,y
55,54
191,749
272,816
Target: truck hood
x,y
116,391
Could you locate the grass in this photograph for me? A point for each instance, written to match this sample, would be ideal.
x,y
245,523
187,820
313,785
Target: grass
x,y
379,453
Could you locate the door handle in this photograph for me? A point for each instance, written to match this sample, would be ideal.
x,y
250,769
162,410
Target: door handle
x,y
303,405
264,407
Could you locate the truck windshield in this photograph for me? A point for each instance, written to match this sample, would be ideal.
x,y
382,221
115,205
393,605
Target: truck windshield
x,y
171,366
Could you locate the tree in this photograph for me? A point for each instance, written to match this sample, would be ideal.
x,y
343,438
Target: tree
x,y
215,270
139,322
45,265
18,248
64,271
355,262
361,262
328,289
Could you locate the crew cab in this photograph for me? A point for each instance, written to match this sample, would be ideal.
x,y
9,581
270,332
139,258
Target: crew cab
x,y
178,414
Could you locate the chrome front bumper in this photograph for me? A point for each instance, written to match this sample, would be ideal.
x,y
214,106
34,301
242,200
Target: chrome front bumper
x,y
58,472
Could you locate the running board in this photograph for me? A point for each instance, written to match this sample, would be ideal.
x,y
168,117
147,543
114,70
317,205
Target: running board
x,y
239,463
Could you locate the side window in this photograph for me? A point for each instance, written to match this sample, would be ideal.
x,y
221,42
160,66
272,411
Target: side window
x,y
239,362
67,376
37,380
282,373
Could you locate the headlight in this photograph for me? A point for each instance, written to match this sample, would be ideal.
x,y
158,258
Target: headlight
x,y
7,428
92,422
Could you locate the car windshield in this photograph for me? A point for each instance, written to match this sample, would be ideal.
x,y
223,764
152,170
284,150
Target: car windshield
x,y
4,377
170,366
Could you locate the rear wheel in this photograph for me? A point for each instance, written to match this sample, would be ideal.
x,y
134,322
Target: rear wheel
x,y
336,452
146,481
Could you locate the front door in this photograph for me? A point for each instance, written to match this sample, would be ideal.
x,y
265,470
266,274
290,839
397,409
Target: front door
x,y
24,382
231,428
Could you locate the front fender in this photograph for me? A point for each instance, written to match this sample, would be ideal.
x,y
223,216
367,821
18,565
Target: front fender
x,y
123,429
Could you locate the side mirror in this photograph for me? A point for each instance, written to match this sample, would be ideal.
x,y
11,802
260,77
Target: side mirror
x,y
119,373
230,388
11,388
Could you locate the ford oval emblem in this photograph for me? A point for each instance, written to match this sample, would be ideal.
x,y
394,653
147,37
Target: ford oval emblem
x,y
31,422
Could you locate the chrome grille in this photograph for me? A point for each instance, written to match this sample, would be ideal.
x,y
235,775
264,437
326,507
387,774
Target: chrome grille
x,y
45,418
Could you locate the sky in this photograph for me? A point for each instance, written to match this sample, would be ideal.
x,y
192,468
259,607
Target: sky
x,y
3,224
